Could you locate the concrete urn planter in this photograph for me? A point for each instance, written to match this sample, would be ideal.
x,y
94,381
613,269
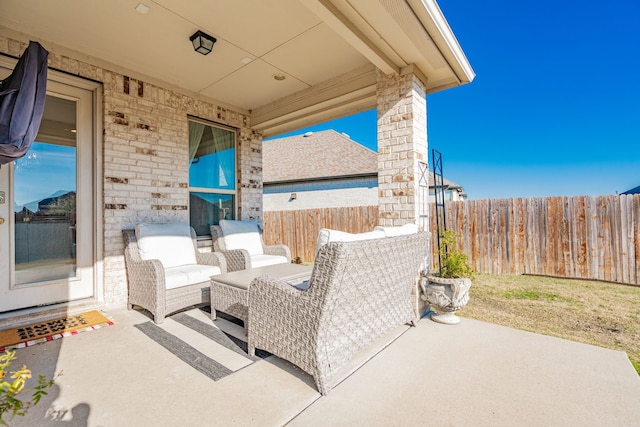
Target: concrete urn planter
x,y
446,296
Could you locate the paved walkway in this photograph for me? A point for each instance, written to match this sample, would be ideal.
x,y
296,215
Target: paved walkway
x,y
471,374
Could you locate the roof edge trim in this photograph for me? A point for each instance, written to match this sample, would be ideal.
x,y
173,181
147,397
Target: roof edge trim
x,y
447,42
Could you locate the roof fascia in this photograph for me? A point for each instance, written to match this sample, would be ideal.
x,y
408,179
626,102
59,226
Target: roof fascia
x,y
434,22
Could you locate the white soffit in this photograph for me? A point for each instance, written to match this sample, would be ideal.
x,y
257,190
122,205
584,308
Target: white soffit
x,y
316,55
336,15
253,85
256,26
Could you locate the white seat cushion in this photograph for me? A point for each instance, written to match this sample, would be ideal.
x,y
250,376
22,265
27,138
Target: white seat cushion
x,y
242,235
327,235
183,275
398,231
263,260
169,243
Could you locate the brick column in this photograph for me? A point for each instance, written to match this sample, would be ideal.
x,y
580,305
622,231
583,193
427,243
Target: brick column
x,y
402,142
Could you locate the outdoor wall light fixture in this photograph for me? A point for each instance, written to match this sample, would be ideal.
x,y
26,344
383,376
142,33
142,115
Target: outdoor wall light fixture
x,y
293,196
202,42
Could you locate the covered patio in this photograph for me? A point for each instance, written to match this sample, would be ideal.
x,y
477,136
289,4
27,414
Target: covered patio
x,y
472,374
130,97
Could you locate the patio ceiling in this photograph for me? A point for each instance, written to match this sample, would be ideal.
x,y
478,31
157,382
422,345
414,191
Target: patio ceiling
x,y
327,49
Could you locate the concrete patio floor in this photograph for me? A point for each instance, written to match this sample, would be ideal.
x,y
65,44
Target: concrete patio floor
x,y
471,374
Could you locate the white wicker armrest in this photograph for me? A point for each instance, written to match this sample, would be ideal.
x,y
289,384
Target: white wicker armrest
x,y
280,250
237,259
280,313
147,280
212,258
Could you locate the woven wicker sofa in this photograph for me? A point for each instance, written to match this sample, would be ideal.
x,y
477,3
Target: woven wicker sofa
x,y
165,270
358,291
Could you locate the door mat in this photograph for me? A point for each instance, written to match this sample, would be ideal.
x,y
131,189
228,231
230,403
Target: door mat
x,y
48,330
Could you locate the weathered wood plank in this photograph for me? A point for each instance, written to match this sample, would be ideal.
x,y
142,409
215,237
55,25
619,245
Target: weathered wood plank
x,y
621,232
636,235
581,238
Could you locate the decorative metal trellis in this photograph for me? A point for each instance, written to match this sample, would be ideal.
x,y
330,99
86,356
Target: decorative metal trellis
x,y
438,187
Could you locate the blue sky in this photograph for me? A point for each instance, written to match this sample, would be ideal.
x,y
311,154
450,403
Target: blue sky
x,y
554,109
44,171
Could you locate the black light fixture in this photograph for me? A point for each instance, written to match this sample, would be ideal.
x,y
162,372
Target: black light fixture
x,y
202,42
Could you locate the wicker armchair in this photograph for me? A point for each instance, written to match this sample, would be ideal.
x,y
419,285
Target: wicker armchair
x,y
358,291
250,253
163,290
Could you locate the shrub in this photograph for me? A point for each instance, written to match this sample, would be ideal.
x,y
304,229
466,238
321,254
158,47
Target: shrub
x,y
9,402
454,262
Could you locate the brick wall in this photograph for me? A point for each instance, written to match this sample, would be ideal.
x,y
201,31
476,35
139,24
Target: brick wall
x,y
250,174
145,156
146,143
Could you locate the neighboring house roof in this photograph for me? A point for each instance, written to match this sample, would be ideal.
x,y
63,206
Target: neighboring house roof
x,y
317,155
635,190
321,155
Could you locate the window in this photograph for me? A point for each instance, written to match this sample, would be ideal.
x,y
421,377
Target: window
x,y
212,175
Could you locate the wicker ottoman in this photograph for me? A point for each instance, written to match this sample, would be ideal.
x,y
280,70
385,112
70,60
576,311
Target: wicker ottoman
x,y
230,291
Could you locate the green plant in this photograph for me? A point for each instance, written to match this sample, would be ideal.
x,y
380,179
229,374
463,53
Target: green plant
x,y
9,402
453,262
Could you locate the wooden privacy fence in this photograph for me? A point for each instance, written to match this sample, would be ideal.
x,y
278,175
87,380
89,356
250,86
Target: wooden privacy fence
x,y
586,237
299,229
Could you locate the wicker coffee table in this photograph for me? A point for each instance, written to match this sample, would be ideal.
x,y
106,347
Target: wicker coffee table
x,y
230,291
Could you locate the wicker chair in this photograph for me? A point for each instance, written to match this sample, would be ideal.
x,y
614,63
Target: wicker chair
x,y
254,254
151,288
358,291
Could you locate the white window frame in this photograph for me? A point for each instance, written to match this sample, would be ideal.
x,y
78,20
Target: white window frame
x,y
208,190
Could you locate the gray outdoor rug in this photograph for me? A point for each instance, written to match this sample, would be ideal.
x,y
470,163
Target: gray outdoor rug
x,y
216,349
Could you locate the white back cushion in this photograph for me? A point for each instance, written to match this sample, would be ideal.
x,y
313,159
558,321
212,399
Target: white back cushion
x,y
398,231
242,235
264,260
327,235
169,243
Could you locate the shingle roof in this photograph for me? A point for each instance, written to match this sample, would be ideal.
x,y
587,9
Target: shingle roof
x,y
323,154
635,190
316,155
